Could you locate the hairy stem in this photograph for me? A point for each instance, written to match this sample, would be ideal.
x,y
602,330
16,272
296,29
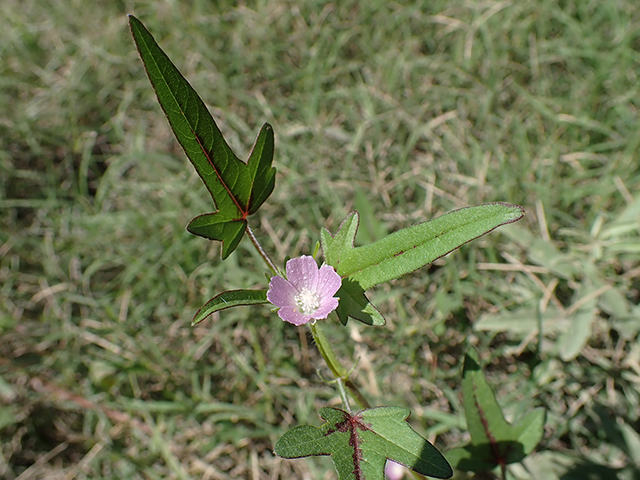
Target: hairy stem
x,y
261,251
336,367
343,395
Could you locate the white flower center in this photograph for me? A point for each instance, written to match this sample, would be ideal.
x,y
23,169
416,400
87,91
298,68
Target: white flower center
x,y
307,301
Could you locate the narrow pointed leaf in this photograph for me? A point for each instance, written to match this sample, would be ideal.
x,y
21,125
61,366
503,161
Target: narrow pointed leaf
x,y
411,248
237,188
404,251
360,444
232,298
493,440
484,415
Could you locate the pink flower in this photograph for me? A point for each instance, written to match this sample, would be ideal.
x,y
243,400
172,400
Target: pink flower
x,y
307,292
394,471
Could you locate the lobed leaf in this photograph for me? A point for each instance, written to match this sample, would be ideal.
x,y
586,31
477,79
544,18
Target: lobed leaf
x,y
360,444
237,188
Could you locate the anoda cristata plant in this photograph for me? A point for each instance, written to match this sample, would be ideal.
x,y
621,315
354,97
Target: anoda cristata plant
x,y
359,442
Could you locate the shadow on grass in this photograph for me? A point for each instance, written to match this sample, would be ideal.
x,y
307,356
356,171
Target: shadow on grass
x,y
586,470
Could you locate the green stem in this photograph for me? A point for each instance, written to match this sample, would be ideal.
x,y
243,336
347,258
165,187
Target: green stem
x,y
261,251
335,366
343,395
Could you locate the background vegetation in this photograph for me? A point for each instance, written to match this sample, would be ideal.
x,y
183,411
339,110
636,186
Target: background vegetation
x,y
403,112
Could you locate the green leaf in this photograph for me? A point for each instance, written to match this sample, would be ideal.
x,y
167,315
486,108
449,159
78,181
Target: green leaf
x,y
493,441
545,253
523,321
354,303
232,298
237,188
403,251
579,330
360,444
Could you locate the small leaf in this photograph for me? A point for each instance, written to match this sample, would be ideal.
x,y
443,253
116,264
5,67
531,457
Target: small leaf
x,y
360,444
545,253
493,441
354,303
404,251
579,330
232,298
523,321
237,188
530,429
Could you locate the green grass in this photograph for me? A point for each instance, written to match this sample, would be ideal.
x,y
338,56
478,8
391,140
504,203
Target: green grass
x,y
402,113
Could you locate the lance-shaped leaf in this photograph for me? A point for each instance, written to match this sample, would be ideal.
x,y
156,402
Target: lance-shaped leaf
x,y
232,298
403,251
237,188
360,444
494,442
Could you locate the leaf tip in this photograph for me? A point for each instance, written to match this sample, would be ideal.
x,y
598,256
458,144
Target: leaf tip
x,y
517,212
132,20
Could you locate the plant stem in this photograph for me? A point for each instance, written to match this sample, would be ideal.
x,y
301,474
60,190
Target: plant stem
x,y
343,395
261,251
334,365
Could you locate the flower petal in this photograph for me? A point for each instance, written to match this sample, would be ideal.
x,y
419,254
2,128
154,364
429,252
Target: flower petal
x,y
281,293
327,306
302,273
292,315
328,282
306,289
393,470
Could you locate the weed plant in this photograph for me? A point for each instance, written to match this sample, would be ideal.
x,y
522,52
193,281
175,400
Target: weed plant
x,y
402,112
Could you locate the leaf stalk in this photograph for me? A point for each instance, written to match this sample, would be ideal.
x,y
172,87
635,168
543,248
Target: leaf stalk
x,y
261,251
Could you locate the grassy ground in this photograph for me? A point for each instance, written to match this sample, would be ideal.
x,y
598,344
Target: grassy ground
x,y
400,112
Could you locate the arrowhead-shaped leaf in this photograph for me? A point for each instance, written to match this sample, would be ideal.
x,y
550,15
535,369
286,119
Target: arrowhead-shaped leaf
x,y
360,444
232,298
493,441
237,188
402,252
